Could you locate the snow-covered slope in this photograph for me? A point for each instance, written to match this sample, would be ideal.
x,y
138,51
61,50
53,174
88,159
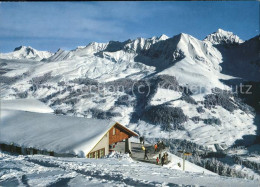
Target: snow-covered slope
x,y
24,52
39,170
199,64
190,167
81,51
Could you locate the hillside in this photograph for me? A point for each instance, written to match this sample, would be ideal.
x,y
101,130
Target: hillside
x,y
163,87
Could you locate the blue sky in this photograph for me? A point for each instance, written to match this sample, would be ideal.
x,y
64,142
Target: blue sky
x,y
66,25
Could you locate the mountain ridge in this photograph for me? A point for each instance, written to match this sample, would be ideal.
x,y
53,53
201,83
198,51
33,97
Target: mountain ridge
x,y
179,73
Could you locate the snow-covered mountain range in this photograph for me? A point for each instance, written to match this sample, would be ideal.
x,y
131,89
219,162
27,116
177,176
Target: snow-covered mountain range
x,y
186,84
195,94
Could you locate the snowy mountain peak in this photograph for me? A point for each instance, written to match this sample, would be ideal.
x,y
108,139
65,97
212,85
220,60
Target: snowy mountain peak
x,y
26,52
23,48
163,37
80,47
138,44
223,37
90,49
97,45
197,51
222,31
184,36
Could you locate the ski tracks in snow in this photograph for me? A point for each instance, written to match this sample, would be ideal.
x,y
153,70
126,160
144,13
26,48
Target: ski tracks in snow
x,y
91,171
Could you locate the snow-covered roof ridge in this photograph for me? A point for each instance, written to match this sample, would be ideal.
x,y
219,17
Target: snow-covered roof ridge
x,y
30,105
61,134
223,37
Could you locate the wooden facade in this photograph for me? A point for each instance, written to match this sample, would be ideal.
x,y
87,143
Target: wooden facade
x,y
117,134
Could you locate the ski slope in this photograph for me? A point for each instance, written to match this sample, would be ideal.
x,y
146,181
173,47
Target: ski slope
x,y
116,170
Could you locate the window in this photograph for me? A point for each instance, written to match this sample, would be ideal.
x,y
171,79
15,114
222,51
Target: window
x,y
90,155
114,131
97,154
102,152
52,153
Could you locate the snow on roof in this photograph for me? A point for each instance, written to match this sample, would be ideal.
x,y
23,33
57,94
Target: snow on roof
x,y
61,134
31,105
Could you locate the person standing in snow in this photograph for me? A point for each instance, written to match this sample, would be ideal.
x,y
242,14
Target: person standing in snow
x,y
163,146
162,160
157,160
155,147
143,148
146,154
159,145
141,140
166,158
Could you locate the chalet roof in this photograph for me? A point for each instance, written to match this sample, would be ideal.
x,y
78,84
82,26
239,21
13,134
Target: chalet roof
x,y
30,105
61,134
126,130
